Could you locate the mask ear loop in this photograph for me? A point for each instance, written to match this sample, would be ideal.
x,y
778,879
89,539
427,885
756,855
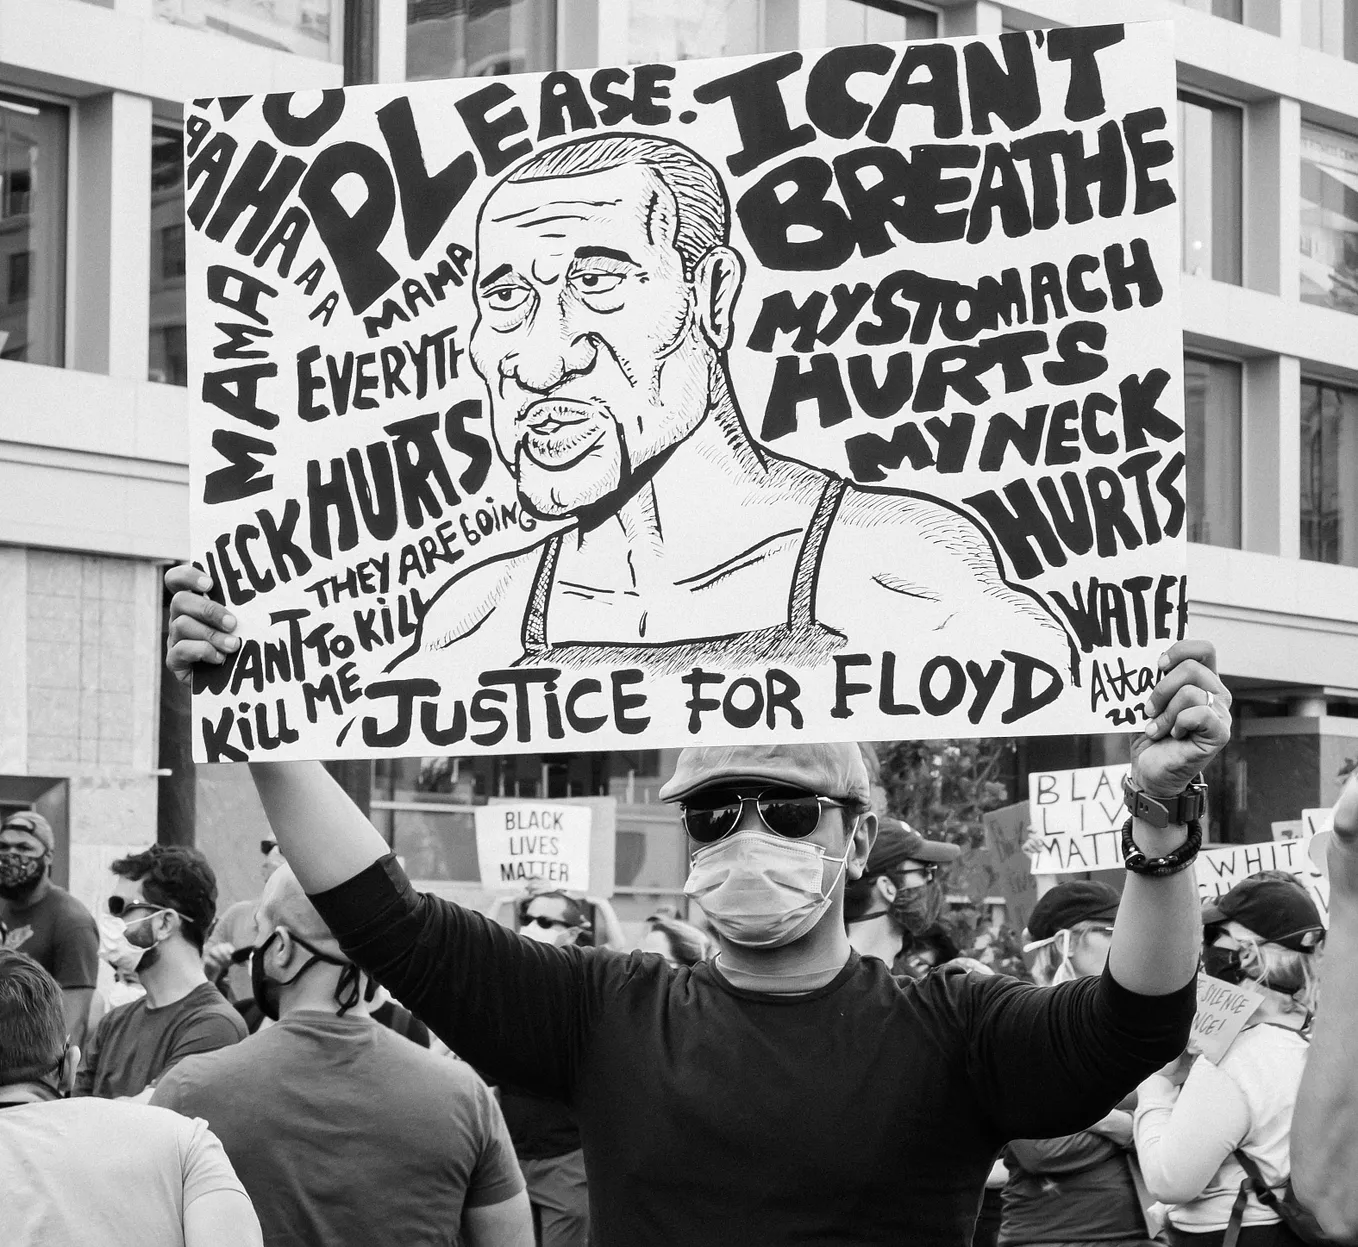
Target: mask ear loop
x,y
1064,939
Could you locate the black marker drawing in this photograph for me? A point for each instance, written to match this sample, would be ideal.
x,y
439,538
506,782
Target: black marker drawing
x,y
606,293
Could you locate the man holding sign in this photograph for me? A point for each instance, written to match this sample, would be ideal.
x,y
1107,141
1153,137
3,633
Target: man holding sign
x,y
788,1090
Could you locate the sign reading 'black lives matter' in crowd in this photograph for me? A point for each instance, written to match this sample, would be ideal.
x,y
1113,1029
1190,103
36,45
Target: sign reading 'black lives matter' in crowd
x,y
831,395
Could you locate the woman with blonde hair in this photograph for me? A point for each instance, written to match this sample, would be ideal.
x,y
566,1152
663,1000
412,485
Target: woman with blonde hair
x,y
1195,1120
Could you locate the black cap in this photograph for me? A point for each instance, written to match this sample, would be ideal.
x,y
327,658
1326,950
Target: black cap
x,y
898,842
1277,911
1068,903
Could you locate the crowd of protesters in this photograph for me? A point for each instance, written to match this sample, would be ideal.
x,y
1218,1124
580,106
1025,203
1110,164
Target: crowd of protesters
x,y
814,1061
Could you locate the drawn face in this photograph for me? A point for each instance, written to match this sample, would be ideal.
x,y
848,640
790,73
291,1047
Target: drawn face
x,y
587,334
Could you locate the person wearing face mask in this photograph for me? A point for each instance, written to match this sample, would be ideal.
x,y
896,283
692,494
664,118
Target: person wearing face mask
x,y
341,1130
161,908
226,957
1078,1188
786,1090
899,897
80,1172
1195,1119
45,921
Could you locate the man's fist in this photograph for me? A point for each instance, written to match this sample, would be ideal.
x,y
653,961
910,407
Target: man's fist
x,y
200,629
1191,721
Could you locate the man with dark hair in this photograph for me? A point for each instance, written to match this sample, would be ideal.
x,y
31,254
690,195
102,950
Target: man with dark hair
x,y
898,898
44,920
80,1172
606,291
342,1131
162,907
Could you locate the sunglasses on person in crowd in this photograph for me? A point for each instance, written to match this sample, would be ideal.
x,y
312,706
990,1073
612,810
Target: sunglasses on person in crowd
x,y
544,922
793,816
120,906
267,846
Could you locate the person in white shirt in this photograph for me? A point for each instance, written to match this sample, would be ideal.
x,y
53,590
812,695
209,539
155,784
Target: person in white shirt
x,y
1193,1116
84,1171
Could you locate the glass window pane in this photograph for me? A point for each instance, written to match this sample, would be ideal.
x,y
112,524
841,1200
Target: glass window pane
x,y
1329,218
1210,156
1331,26
1329,474
877,21
478,38
661,30
1231,10
313,28
168,362
32,230
1212,417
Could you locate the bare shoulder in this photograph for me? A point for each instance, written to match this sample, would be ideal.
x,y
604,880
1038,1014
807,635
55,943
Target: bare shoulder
x,y
467,600
921,553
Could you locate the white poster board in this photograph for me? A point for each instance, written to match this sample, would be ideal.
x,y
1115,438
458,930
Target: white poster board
x,y
1085,800
545,843
829,395
1219,869
1223,1011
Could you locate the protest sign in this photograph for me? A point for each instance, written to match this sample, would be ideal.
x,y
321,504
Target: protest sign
x,y
1289,829
1220,869
825,395
1087,799
1223,1011
542,842
1315,821
1005,832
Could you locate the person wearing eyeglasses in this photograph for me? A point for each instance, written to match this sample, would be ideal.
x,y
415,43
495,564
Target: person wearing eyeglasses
x,y
226,957
898,898
1079,1188
45,921
787,1090
159,912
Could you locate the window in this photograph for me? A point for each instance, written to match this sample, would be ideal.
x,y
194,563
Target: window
x,y
1231,10
168,361
1329,474
1331,26
313,28
1212,429
32,230
663,30
1329,219
478,38
874,21
1210,134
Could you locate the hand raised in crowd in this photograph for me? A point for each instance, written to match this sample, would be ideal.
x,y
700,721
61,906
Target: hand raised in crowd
x,y
1346,815
1191,721
200,629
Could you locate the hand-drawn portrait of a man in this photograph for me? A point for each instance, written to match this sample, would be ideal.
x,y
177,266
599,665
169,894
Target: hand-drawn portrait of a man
x,y
606,292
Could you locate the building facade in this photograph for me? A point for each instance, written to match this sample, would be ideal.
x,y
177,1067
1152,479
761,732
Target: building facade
x,y
93,472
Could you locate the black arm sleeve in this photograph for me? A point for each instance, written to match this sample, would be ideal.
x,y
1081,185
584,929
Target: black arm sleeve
x,y
519,1010
1053,1060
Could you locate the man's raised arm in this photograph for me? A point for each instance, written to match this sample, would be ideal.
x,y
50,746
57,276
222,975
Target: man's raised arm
x,y
320,831
1325,1121
1158,932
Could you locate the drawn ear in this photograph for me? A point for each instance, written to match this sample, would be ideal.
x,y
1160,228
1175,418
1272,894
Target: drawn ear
x,y
717,281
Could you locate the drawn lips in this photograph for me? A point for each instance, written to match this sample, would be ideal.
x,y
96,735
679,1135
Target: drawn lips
x,y
557,434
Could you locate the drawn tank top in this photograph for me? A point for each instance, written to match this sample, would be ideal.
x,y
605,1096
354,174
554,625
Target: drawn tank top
x,y
801,641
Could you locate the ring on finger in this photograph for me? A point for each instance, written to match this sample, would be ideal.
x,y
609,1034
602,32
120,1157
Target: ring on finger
x,y
1210,703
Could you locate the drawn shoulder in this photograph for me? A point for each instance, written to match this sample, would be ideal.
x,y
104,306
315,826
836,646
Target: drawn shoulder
x,y
921,549
467,600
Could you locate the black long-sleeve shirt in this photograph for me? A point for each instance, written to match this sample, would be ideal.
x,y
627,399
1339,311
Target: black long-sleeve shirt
x,y
866,1112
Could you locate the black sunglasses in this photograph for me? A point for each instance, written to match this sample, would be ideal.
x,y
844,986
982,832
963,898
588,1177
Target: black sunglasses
x,y
793,817
120,905
267,846
545,923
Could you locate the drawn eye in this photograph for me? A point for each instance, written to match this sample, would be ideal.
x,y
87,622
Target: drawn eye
x,y
598,283
506,298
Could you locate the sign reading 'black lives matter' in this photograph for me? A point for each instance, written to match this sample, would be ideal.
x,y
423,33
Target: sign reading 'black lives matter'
x,y
831,395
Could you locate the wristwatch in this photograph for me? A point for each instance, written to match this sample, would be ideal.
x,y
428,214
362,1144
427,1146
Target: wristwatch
x,y
1187,807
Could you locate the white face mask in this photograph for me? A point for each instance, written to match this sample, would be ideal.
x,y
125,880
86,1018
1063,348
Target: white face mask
x,y
762,890
114,946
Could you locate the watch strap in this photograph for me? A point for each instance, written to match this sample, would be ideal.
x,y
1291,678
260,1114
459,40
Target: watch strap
x,y
1187,807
